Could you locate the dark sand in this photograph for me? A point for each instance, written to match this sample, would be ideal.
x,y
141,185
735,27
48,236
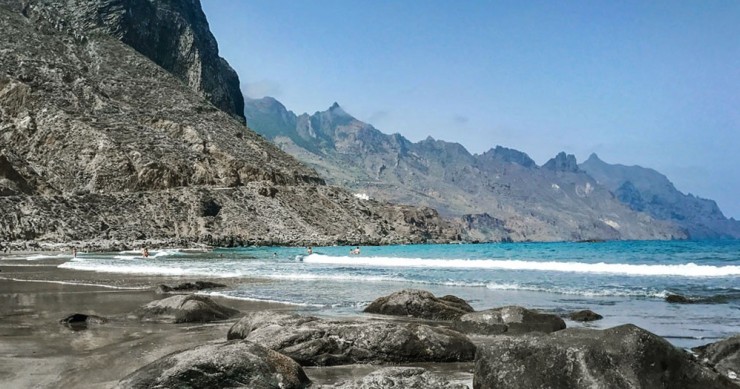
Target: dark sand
x,y
38,352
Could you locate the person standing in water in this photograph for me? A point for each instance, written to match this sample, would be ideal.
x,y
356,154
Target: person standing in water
x,y
74,252
145,252
309,250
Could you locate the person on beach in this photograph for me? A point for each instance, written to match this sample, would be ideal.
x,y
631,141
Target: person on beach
x,y
309,250
145,252
356,251
74,252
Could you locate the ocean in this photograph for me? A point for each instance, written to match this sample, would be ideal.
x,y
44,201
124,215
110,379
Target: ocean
x,y
625,281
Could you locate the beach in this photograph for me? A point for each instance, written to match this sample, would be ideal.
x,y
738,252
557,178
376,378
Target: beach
x,y
36,351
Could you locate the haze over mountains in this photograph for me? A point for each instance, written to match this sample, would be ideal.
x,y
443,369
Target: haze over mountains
x,y
500,194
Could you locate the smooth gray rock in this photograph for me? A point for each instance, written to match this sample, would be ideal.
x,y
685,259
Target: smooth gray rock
x,y
510,320
624,357
316,342
236,364
724,356
397,378
185,309
585,315
420,304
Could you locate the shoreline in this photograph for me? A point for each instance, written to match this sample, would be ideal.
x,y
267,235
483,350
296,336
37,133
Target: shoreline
x,y
37,351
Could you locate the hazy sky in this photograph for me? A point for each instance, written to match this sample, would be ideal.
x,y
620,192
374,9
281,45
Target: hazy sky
x,y
652,83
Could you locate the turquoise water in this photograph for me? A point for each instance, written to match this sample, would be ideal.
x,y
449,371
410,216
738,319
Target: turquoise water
x,y
624,281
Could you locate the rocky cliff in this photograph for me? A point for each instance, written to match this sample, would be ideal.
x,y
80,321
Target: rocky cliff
x,y
173,34
648,191
99,142
503,194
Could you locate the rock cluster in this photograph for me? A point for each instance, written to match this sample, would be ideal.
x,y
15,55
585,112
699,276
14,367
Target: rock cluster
x,y
620,357
510,320
419,304
236,364
316,342
724,356
185,309
189,287
397,377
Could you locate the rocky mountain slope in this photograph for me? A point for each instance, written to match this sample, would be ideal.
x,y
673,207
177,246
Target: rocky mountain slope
x,y
99,142
501,194
648,191
173,34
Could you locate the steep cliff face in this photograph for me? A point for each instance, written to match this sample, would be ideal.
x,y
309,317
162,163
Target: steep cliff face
x,y
99,142
502,192
172,33
651,192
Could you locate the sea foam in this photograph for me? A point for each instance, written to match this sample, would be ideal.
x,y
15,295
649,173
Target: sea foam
x,y
683,270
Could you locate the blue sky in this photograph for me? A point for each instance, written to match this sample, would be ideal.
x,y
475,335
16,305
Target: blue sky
x,y
652,83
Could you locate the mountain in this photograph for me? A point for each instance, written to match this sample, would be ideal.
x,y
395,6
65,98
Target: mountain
x,y
646,190
173,34
499,195
100,143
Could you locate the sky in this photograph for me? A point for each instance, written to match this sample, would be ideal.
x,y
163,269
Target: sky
x,y
650,83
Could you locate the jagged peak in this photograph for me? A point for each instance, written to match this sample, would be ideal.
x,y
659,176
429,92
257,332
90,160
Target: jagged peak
x,y
562,162
509,155
593,158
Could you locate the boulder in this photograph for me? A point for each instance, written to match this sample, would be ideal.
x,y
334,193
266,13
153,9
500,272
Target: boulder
x,y
510,319
723,356
420,304
316,342
80,321
620,357
677,299
397,377
185,309
189,287
585,315
236,364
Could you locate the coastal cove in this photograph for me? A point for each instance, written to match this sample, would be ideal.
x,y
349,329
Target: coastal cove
x,y
626,282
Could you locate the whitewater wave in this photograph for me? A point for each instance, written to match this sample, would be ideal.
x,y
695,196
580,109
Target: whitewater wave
x,y
261,300
683,270
605,292
78,284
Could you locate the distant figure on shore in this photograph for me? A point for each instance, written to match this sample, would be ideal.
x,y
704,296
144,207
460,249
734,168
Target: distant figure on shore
x,y
145,252
356,251
309,250
74,252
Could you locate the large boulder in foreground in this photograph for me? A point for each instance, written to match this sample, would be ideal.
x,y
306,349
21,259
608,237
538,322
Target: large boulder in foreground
x,y
420,304
724,356
236,364
315,342
620,357
397,377
185,309
510,319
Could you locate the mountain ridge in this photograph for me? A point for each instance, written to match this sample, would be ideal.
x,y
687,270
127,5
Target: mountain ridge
x,y
499,183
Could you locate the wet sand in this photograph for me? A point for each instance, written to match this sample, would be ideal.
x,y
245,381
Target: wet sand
x,y
38,352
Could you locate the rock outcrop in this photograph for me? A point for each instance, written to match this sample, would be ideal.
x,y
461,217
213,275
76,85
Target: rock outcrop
x,y
185,309
522,202
97,142
648,191
81,321
316,342
510,320
585,315
724,356
420,304
173,34
189,287
397,377
621,357
236,364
